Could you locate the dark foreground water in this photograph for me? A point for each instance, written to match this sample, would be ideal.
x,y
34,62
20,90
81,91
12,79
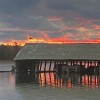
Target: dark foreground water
x,y
48,86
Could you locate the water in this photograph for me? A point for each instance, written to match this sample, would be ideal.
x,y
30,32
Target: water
x,y
6,65
48,86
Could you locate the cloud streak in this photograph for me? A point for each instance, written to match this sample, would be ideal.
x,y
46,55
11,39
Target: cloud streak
x,y
58,20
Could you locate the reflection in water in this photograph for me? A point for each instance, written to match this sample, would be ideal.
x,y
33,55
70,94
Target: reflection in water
x,y
27,77
59,80
49,86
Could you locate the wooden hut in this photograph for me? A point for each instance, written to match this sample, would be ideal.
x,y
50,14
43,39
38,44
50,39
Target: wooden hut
x,y
42,57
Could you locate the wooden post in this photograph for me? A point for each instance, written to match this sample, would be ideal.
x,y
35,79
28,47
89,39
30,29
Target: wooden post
x,y
88,63
71,62
55,66
40,65
80,63
50,66
98,66
66,62
58,62
95,63
45,66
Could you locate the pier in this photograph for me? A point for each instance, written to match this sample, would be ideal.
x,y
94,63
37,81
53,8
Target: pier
x,y
59,58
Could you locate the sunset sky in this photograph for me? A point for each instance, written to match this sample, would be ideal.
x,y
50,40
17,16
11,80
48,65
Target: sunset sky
x,y
66,21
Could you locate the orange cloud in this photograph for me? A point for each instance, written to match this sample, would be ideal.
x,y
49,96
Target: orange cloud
x,y
87,31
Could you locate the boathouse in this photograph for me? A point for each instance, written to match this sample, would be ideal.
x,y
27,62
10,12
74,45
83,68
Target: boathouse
x,y
43,57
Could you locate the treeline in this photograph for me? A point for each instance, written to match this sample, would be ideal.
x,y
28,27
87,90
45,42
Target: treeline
x,y
8,52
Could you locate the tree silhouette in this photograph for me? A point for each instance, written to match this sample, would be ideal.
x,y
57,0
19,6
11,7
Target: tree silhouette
x,y
8,52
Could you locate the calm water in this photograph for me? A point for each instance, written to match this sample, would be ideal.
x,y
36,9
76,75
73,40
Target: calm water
x,y
48,86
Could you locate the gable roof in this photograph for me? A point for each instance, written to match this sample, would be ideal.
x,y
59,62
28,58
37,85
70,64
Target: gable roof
x,y
59,51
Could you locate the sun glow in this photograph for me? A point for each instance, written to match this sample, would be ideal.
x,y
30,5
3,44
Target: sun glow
x,y
60,40
86,31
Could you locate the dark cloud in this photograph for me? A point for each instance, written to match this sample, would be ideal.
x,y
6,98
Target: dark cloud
x,y
34,15
4,36
60,5
16,7
87,8
55,35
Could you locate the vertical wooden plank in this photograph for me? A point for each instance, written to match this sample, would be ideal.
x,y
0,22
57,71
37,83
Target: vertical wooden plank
x,y
60,62
90,63
87,63
66,62
98,66
71,63
50,66
40,65
45,66
55,66
95,63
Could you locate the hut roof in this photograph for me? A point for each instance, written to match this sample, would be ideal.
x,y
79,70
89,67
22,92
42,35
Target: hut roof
x,y
59,51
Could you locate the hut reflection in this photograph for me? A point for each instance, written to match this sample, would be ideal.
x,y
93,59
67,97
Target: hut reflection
x,y
27,77
59,80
